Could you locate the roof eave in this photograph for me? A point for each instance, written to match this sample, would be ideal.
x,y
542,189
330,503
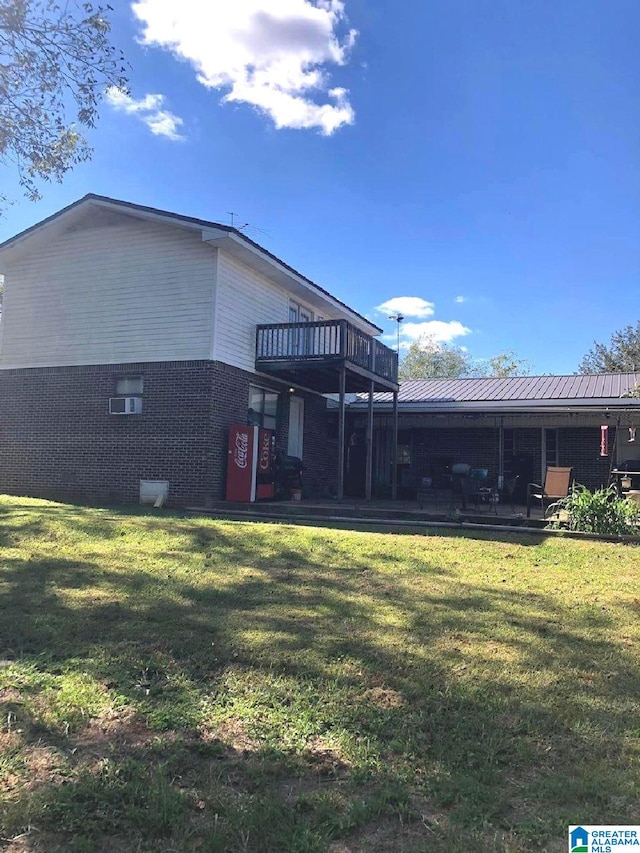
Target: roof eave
x,y
512,406
211,231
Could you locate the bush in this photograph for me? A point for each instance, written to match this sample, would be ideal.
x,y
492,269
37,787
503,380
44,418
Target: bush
x,y
602,511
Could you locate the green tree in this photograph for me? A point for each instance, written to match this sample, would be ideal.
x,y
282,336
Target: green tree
x,y
427,359
56,60
506,364
621,355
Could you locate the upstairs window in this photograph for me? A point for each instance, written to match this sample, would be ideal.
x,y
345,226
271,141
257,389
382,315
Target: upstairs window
x,y
299,314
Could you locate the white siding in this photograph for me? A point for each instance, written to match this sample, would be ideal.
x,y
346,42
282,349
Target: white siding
x,y
244,299
109,292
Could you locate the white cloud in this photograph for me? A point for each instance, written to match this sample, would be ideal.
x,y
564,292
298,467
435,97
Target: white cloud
x,y
272,54
410,306
460,299
438,330
149,110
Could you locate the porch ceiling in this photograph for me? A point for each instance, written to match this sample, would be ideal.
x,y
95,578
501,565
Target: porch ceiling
x,y
324,376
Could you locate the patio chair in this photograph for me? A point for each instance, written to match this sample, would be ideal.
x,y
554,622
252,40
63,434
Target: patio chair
x,y
557,482
481,491
427,491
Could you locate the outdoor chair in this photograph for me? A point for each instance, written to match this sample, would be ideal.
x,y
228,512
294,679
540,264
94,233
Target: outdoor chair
x,y
427,491
557,483
509,489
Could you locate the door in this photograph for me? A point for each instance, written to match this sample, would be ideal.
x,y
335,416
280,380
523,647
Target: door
x,y
296,426
300,338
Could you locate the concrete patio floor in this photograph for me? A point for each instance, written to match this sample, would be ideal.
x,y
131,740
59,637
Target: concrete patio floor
x,y
383,510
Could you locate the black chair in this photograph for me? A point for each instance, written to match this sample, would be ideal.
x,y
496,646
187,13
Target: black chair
x,y
427,491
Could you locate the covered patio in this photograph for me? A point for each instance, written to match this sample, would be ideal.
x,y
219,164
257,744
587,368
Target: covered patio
x,y
509,429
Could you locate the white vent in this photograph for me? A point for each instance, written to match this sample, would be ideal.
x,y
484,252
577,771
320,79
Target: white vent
x,y
125,405
154,492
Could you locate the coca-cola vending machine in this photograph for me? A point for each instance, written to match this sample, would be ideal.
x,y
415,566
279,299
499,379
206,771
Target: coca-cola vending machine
x,y
250,469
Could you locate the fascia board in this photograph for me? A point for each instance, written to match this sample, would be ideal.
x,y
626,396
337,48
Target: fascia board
x,y
611,405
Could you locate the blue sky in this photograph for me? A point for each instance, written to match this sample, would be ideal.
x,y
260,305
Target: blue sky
x,y
480,156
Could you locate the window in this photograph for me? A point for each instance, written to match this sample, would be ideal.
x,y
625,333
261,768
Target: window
x,y
549,448
404,454
404,447
263,408
299,314
129,386
509,442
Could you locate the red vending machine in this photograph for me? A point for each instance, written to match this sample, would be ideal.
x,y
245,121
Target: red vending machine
x,y
250,469
265,476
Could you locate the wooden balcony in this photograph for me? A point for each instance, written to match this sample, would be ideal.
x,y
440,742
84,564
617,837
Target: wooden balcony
x,y
315,354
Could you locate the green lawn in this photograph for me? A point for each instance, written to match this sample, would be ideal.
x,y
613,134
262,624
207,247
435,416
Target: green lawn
x,y
172,684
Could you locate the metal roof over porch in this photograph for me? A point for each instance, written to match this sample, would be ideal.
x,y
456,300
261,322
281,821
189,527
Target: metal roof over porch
x,y
526,392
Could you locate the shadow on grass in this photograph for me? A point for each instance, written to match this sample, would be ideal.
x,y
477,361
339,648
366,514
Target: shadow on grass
x,y
407,528
310,671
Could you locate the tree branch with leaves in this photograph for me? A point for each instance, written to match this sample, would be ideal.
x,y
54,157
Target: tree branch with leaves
x,y
56,61
621,355
429,359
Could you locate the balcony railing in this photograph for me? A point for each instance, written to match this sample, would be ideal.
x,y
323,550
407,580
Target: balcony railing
x,y
325,341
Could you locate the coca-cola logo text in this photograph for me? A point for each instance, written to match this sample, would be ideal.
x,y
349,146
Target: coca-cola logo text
x,y
241,450
265,452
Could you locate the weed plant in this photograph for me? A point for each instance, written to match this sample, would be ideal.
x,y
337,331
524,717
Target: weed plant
x,y
602,511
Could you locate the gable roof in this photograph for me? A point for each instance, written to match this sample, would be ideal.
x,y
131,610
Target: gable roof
x,y
526,392
215,230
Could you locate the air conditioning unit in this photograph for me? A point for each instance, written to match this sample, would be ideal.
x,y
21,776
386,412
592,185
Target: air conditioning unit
x,y
125,405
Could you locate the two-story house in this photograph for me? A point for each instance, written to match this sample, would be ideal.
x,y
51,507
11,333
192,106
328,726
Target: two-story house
x,y
186,326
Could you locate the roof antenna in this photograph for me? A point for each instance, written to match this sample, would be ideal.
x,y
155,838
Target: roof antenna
x,y
247,225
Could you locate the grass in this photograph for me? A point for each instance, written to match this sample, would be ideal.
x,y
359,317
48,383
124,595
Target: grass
x,y
172,684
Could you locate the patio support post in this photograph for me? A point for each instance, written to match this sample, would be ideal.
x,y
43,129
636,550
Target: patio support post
x,y
369,469
343,382
394,449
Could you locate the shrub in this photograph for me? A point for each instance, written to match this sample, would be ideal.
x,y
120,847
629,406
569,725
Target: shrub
x,y
602,511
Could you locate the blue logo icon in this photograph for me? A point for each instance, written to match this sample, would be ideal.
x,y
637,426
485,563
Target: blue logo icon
x,y
579,840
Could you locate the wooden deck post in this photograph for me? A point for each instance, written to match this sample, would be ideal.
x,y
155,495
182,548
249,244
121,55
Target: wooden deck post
x,y
341,425
394,449
369,463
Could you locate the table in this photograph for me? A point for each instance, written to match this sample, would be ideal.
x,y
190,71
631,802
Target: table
x,y
620,475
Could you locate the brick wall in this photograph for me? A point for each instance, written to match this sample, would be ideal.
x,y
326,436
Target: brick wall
x,y
320,450
580,447
59,441
477,446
